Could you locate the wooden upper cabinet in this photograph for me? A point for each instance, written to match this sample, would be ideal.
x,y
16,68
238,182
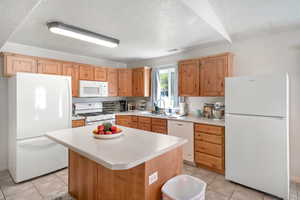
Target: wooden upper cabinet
x,y
86,72
72,69
125,82
48,66
100,74
188,80
141,80
213,71
112,79
14,63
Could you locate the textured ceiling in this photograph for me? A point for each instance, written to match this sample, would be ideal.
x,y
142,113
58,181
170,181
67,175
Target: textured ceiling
x,y
13,12
146,28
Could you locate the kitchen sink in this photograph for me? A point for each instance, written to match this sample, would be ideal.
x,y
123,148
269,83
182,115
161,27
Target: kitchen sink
x,y
172,116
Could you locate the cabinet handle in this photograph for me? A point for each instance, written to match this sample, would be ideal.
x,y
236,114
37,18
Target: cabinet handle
x,y
179,125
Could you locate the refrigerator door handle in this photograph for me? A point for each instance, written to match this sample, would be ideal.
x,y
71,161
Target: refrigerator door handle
x,y
69,102
262,116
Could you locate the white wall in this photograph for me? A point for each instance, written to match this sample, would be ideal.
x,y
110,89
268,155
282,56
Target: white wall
x,y
34,51
264,53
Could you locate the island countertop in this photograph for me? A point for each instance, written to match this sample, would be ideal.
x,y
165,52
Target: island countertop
x,y
131,149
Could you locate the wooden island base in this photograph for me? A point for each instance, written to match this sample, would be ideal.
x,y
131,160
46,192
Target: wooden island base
x,y
89,180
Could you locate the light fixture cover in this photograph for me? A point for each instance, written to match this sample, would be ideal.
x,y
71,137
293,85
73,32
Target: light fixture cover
x,y
82,34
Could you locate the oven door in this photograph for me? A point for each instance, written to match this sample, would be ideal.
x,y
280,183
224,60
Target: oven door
x,y
93,89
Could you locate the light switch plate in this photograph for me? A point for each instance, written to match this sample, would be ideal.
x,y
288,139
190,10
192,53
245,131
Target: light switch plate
x,y
153,178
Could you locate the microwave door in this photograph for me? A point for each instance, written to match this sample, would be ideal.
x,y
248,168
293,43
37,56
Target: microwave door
x,y
93,89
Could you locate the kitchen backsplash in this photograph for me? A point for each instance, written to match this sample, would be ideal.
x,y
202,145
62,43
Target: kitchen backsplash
x,y
195,103
85,100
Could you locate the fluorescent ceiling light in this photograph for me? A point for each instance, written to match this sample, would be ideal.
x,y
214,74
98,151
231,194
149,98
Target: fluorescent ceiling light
x,y
82,34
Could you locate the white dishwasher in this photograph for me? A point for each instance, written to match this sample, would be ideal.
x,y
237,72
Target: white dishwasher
x,y
184,130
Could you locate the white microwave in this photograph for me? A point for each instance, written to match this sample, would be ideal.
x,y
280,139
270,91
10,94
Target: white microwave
x,y
93,89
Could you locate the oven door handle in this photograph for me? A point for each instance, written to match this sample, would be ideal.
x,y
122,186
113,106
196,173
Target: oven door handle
x,y
101,121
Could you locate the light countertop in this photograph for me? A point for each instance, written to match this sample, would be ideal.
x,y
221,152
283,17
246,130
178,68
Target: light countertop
x,y
131,149
188,118
77,117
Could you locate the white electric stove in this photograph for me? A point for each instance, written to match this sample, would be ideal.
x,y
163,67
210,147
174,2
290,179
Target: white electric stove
x,y
93,113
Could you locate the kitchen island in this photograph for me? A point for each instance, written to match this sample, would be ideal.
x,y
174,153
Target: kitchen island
x,y
131,167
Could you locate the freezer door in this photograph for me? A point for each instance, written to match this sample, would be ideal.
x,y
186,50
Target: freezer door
x,y
43,104
260,95
39,156
257,153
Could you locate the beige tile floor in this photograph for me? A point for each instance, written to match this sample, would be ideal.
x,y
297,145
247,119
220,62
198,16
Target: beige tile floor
x,y
54,186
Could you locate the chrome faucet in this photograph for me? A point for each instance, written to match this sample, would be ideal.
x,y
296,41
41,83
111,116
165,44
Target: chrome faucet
x,y
164,108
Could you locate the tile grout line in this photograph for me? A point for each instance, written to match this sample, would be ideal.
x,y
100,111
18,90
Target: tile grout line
x,y
37,190
4,197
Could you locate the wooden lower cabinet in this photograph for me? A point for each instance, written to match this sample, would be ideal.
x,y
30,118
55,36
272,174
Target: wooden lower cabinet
x,y
212,162
134,121
123,120
159,125
144,123
89,180
78,123
209,147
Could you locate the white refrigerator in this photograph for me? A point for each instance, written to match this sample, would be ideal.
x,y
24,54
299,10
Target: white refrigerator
x,y
257,133
38,103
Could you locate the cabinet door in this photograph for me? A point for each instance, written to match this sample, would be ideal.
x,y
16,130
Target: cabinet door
x,y
72,69
189,78
100,74
46,66
18,63
125,82
86,72
138,82
112,79
213,73
141,81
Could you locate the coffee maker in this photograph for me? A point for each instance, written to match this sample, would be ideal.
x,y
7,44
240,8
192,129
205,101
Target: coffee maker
x,y
123,106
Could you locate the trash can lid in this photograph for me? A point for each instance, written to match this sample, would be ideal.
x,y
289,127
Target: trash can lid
x,y
184,187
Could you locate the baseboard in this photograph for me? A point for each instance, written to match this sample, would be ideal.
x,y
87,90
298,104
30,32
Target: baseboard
x,y
295,179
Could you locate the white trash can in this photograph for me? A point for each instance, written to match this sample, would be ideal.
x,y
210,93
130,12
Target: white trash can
x,y
184,187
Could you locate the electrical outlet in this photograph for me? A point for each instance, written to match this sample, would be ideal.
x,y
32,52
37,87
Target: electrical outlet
x,y
153,177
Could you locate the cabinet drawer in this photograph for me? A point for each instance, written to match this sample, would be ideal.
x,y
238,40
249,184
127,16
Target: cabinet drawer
x,y
218,130
133,124
78,123
145,120
123,120
159,122
159,129
209,161
123,123
134,118
209,138
209,148
144,126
